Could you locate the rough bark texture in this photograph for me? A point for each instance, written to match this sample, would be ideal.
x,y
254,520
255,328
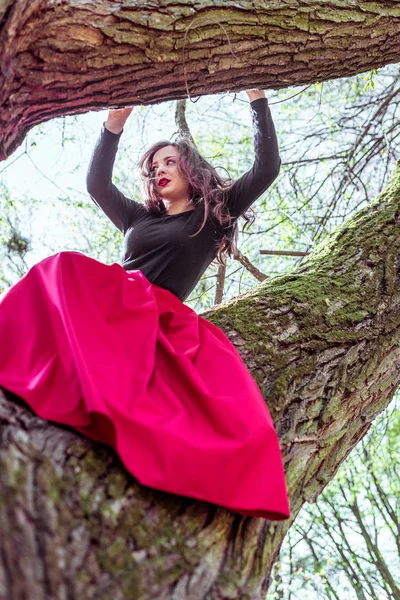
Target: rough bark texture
x,y
68,56
323,344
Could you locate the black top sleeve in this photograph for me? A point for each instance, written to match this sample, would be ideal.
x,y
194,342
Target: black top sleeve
x,y
266,164
118,208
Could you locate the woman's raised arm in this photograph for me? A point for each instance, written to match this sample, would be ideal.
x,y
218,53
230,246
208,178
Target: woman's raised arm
x,y
118,208
267,161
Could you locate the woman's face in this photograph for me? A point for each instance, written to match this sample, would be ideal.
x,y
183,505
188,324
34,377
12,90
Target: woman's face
x,y
170,184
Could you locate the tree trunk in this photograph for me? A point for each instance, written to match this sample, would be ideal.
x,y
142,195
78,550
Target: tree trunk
x,y
62,57
323,344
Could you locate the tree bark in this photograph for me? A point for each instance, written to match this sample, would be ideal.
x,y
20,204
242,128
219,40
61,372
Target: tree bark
x,y
62,57
323,343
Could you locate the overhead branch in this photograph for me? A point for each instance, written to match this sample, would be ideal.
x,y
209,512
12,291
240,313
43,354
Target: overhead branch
x,y
59,58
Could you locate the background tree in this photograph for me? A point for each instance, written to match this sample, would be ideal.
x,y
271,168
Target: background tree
x,y
347,544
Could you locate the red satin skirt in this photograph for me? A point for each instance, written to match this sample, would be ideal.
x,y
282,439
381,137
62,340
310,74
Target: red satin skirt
x,y
126,363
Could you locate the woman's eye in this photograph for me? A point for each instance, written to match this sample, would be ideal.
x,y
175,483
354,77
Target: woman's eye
x,y
170,162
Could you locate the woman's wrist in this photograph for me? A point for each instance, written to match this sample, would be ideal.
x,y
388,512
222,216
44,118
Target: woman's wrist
x,y
255,94
113,127
116,119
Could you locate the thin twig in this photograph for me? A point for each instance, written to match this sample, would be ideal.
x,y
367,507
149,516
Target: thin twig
x,y
283,253
249,266
290,97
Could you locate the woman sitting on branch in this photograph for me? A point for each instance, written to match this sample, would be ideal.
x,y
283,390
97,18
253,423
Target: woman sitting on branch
x,y
112,350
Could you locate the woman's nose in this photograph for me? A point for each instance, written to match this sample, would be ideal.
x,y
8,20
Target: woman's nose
x,y
160,170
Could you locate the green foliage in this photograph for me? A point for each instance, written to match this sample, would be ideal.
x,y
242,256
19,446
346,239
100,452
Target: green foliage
x,y
15,238
369,79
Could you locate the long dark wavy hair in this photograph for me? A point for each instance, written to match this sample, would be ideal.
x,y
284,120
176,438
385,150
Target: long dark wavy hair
x,y
207,187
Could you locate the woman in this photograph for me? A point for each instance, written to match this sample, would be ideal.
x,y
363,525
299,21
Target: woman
x,y
112,350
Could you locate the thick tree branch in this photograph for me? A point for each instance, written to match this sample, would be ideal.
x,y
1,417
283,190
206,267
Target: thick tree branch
x,y
68,57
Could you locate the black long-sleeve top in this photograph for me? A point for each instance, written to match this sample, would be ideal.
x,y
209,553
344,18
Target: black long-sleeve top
x,y
159,244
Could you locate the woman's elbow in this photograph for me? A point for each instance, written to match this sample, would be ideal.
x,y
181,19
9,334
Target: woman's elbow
x,y
277,167
92,186
273,170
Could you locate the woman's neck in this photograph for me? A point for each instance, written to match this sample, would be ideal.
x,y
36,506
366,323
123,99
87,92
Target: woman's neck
x,y
178,206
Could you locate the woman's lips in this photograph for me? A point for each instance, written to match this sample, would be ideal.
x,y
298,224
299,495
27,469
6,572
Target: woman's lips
x,y
163,182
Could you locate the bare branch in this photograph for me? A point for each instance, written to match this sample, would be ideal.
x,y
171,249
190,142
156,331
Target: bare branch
x,y
283,253
181,122
249,266
219,292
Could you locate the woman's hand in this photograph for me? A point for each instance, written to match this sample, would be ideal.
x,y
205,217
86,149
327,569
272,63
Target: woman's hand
x,y
117,118
255,94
